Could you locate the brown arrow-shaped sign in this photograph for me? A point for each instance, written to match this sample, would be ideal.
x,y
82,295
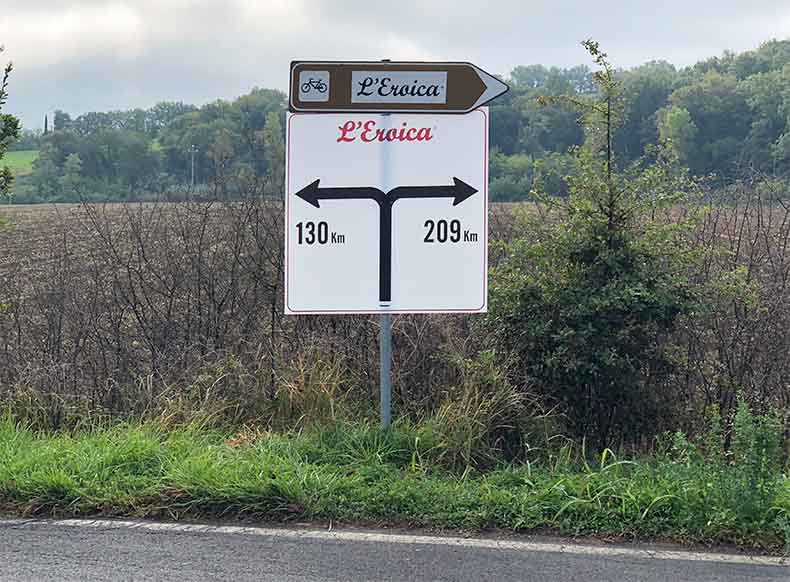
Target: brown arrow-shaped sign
x,y
383,86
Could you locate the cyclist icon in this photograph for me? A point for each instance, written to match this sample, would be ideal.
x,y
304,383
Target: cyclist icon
x,y
316,84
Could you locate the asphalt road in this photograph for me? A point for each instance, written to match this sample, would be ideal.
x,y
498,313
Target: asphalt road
x,y
106,550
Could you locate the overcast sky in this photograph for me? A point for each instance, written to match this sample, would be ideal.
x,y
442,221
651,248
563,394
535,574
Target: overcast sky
x,y
94,55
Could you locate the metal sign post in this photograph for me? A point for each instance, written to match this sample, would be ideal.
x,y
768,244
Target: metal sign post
x,y
385,369
385,299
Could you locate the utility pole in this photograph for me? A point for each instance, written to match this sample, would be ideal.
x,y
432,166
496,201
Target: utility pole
x,y
193,150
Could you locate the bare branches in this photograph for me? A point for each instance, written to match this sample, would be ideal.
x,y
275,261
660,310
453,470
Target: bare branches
x,y
4,83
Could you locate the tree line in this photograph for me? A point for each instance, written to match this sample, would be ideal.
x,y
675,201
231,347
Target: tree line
x,y
721,116
145,153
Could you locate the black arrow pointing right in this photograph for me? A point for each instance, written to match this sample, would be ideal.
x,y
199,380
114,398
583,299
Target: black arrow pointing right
x,y
459,191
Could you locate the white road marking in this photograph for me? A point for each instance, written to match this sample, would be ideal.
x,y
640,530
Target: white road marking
x,y
376,537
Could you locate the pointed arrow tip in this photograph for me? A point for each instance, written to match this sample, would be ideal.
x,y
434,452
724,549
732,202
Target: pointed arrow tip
x,y
310,193
494,87
462,191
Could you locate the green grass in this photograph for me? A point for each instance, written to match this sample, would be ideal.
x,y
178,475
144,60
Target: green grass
x,y
20,162
357,474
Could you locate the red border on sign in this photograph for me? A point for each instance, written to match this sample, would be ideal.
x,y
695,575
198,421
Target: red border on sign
x,y
288,258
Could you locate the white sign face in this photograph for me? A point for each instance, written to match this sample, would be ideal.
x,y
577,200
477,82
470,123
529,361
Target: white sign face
x,y
386,213
399,87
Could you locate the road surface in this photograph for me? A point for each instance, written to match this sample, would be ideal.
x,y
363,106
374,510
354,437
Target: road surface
x,y
88,550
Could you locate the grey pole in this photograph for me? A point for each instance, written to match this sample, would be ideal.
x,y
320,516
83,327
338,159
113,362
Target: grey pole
x,y
192,150
385,369
385,319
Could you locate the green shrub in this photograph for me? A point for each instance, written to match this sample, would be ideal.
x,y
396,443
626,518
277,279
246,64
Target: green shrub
x,y
747,473
731,478
588,307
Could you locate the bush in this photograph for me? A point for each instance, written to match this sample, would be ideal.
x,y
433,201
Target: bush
x,y
588,307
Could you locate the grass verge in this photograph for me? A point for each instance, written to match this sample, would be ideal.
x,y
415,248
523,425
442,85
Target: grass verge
x,y
354,473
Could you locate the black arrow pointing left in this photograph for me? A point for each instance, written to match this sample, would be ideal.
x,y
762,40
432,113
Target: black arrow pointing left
x,y
312,193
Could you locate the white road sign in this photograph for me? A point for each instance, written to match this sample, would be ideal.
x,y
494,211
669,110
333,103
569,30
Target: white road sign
x,y
386,213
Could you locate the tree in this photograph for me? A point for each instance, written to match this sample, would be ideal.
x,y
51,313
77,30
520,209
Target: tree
x,y
136,164
221,156
9,132
676,129
45,173
512,178
646,89
61,121
718,107
164,113
770,56
192,131
27,140
520,126
71,182
250,113
91,123
586,302
768,95
274,154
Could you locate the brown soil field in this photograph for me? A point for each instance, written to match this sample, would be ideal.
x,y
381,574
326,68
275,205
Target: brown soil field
x,y
33,234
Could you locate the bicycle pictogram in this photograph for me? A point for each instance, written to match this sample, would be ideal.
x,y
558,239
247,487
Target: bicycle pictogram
x,y
316,84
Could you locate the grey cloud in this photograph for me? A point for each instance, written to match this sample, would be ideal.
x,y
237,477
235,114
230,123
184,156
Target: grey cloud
x,y
82,55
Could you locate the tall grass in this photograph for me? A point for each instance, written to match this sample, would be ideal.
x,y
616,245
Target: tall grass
x,y
476,420
355,472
